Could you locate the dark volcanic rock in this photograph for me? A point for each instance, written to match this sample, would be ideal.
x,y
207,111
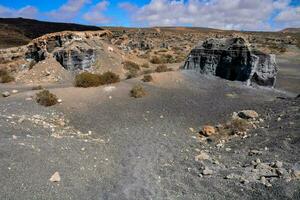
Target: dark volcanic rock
x,y
76,59
70,49
232,59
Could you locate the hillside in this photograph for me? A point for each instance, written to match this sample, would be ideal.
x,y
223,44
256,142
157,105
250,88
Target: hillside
x,y
19,31
291,30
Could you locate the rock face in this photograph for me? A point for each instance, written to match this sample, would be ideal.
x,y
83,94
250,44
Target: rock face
x,y
70,49
232,59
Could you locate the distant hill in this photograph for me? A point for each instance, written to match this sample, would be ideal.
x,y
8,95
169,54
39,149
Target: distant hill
x,y
291,30
19,31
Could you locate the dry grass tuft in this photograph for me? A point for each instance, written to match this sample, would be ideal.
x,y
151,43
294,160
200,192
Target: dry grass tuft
x,y
87,79
137,91
5,76
147,78
45,98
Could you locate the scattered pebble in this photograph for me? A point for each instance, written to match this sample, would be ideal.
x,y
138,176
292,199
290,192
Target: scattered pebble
x,y
208,130
55,177
202,156
207,171
14,91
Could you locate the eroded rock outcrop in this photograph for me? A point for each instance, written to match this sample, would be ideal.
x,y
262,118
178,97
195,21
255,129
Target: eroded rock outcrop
x,y
71,49
232,59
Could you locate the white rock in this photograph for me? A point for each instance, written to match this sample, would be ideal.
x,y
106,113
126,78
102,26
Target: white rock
x,y
202,156
5,94
59,100
14,91
55,177
207,171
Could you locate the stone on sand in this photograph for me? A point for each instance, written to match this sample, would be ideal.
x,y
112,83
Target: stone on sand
x,y
208,130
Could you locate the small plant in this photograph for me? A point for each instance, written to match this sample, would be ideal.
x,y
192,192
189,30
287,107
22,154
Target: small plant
x,y
137,91
234,126
145,65
87,79
45,98
149,71
38,87
161,68
132,74
167,58
147,78
108,78
155,60
5,76
131,66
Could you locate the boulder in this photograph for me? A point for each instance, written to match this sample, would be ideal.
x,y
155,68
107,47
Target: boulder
x,y
232,59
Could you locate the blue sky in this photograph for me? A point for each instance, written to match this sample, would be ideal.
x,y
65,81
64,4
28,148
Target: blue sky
x,y
225,14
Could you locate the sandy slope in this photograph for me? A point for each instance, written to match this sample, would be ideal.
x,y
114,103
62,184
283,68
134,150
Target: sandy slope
x,y
141,148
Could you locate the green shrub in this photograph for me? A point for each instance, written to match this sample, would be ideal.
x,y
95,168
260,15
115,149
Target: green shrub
x,y
137,91
45,98
86,79
5,76
109,78
147,78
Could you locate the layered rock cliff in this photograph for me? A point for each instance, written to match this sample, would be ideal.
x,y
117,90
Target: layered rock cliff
x,y
232,59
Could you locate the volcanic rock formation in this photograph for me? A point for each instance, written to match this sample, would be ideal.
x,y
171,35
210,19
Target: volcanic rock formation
x,y
232,59
71,49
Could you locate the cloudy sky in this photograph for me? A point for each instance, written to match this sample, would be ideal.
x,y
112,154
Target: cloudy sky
x,y
224,14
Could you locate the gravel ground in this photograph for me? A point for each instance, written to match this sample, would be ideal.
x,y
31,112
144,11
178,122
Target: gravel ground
x,y
107,145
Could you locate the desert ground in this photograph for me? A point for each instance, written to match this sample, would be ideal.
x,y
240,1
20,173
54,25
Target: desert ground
x,y
104,144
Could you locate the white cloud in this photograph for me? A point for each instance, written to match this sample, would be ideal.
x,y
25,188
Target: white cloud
x,y
95,14
69,10
127,6
224,14
26,12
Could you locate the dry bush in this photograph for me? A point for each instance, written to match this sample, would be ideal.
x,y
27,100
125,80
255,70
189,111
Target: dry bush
x,y
5,76
234,126
167,58
145,65
149,71
162,68
131,66
156,60
108,78
147,78
38,87
45,98
132,74
137,91
86,79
